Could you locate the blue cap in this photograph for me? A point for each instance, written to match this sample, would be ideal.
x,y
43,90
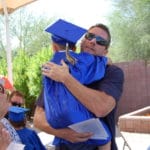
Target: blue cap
x,y
64,32
17,114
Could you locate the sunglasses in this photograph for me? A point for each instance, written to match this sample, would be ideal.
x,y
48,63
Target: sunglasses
x,y
16,104
99,39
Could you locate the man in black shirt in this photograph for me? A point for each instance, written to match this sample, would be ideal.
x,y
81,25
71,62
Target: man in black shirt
x,y
100,97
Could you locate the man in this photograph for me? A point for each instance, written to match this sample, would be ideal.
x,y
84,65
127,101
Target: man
x,y
100,97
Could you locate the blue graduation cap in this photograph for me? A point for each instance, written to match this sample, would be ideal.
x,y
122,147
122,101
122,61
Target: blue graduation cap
x,y
64,32
17,114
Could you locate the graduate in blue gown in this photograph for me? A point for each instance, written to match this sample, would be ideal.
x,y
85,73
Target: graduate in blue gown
x,y
28,136
61,107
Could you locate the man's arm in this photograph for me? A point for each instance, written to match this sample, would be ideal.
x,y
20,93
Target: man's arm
x,y
96,101
41,123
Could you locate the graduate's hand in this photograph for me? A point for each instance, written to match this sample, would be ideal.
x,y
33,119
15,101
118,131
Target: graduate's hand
x,y
55,72
73,136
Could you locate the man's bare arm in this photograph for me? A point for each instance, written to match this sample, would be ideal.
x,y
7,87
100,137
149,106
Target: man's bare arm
x,y
41,123
97,102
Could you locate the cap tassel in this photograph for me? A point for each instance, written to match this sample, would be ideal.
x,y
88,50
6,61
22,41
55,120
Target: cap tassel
x,y
71,59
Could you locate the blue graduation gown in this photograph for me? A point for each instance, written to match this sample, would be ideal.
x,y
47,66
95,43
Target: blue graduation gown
x,y
61,107
30,139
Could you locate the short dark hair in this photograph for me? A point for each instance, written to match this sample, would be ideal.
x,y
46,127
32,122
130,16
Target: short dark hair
x,y
106,29
16,93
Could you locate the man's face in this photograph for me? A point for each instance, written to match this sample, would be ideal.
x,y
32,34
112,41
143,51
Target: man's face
x,y
90,46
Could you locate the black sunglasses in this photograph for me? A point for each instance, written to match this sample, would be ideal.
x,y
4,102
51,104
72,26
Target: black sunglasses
x,y
99,39
16,104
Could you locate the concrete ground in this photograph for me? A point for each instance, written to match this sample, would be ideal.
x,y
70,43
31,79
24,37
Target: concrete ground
x,y
134,141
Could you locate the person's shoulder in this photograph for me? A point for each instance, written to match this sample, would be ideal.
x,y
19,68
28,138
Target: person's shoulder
x,y
90,58
27,131
30,130
115,70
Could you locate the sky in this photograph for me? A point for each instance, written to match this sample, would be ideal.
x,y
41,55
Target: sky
x,y
81,12
84,13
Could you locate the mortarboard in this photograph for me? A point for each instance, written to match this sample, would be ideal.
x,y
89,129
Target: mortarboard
x,y
17,114
64,32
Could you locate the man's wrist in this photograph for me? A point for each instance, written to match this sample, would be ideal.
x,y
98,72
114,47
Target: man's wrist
x,y
66,78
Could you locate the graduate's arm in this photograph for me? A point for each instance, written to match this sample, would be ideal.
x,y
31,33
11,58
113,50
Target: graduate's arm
x,y
41,123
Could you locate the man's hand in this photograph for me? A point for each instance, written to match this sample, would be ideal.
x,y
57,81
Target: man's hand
x,y
55,72
73,136
65,133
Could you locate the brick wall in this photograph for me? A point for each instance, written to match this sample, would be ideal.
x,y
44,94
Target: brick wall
x,y
136,92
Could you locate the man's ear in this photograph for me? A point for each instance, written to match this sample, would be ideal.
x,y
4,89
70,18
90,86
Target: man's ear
x,y
105,52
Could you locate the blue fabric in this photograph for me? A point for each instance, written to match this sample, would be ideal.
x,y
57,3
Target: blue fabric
x,y
61,41
61,107
113,75
30,139
65,32
91,142
17,114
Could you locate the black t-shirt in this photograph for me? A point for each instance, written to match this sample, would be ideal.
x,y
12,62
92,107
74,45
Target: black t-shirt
x,y
112,84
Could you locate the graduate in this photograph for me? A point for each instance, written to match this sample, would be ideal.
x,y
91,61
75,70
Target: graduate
x,y
61,107
17,117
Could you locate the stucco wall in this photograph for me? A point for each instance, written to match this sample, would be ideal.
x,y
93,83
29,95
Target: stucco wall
x,y
136,92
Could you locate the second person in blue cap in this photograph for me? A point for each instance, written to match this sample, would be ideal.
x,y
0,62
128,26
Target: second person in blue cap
x,y
29,137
